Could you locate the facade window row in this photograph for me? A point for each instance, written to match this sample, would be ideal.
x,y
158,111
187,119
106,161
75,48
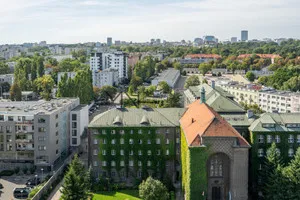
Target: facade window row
x,y
140,152
261,152
276,139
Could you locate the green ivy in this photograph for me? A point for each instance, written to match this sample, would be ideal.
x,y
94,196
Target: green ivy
x,y
194,175
144,147
256,161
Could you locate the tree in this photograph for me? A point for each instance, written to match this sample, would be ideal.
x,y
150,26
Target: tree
x,y
45,85
15,92
192,81
96,92
250,76
272,174
108,92
163,85
135,82
292,172
83,86
150,90
40,68
173,101
76,181
204,68
4,68
292,84
152,189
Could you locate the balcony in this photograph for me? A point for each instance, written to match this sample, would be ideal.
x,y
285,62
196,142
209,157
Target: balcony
x,y
24,141
25,149
25,122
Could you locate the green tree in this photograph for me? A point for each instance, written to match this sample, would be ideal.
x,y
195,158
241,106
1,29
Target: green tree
x,y
192,81
76,181
4,68
204,68
173,101
292,84
250,76
152,189
63,88
108,92
163,85
83,86
292,172
135,82
15,92
40,68
150,90
45,85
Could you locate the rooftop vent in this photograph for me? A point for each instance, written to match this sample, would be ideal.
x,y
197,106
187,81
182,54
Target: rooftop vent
x,y
117,120
145,120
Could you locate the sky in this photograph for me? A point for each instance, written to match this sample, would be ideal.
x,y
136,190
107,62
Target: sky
x,y
73,21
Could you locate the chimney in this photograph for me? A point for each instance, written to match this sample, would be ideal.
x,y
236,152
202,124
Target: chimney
x,y
213,84
202,95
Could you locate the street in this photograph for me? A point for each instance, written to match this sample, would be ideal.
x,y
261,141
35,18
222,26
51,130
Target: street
x,y
11,182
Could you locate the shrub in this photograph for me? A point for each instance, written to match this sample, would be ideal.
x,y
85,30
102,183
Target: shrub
x,y
7,173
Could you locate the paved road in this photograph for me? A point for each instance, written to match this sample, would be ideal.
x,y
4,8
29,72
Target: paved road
x,y
9,183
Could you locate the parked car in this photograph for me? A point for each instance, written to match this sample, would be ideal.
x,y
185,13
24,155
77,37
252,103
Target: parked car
x,y
33,182
21,193
1,186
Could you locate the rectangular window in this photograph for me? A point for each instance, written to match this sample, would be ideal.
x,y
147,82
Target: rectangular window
x,y
122,152
269,138
95,152
113,152
1,117
140,131
277,138
103,152
42,129
158,152
260,152
131,152
139,163
131,163
122,163
74,132
122,132
74,117
291,152
157,140
42,148
103,132
167,152
95,141
104,163
74,141
139,174
74,124
140,152
177,140
122,141
95,163
149,163
260,139
140,141
291,139
130,141
104,141
41,120
167,141
298,138
113,141
41,138
148,141
113,131
149,152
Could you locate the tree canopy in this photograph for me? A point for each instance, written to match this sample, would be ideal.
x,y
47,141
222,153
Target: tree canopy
x,y
151,189
192,81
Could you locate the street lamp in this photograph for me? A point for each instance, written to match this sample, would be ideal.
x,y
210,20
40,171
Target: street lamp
x,y
36,179
42,173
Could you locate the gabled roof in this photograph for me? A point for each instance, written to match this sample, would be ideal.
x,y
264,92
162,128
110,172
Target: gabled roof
x,y
200,120
216,98
271,56
214,56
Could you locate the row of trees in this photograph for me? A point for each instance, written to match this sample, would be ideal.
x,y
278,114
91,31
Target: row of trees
x,y
81,86
280,182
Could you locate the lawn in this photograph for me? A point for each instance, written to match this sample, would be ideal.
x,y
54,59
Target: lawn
x,y
117,195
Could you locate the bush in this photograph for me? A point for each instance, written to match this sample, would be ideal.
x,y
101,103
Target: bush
x,y
7,173
17,170
25,169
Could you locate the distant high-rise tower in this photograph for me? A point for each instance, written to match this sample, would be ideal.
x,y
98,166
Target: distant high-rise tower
x,y
109,41
233,39
244,35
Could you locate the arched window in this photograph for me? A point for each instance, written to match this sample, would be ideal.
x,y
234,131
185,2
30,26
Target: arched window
x,y
216,166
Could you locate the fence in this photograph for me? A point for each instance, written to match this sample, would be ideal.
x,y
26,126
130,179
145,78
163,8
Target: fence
x,y
49,183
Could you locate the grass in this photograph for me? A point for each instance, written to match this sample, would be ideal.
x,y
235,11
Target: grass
x,y
117,195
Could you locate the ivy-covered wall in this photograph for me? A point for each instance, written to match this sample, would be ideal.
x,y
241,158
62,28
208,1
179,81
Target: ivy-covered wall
x,y
255,160
158,162
194,173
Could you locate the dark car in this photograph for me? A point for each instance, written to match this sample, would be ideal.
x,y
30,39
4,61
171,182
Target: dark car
x,y
33,182
1,186
21,193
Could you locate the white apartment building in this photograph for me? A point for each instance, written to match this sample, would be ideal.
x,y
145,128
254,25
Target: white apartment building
x,y
37,133
296,103
79,120
243,93
105,60
9,78
276,101
105,77
69,75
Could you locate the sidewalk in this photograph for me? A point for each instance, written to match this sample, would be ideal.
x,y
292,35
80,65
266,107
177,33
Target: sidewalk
x,y
56,194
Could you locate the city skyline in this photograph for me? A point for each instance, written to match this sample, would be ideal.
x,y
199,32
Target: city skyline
x,y
90,20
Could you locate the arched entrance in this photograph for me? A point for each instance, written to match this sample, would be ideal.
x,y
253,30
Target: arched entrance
x,y
218,169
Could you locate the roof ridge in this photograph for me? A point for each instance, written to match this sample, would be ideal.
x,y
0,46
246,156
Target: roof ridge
x,y
165,117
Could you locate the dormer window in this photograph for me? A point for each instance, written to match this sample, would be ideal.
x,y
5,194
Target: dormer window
x,y
268,125
145,121
117,120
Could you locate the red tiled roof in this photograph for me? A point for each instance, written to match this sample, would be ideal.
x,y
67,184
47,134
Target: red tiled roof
x,y
215,56
271,56
201,120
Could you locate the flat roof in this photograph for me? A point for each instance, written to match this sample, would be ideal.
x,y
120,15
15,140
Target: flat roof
x,y
169,74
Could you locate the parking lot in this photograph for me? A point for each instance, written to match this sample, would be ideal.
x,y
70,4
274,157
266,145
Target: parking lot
x,y
11,182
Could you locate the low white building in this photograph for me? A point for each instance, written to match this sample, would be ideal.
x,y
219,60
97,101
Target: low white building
x,y
243,93
105,77
276,101
9,78
170,76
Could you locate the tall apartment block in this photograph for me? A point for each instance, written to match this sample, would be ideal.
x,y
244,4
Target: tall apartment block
x,y
244,35
102,62
37,133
